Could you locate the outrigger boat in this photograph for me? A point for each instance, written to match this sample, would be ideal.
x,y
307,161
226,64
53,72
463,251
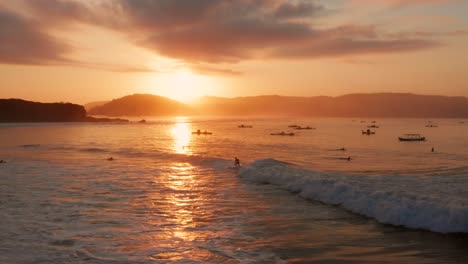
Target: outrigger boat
x,y
368,132
244,126
198,132
412,137
282,133
301,128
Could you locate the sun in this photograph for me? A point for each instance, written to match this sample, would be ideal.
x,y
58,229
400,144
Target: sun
x,y
185,86
182,85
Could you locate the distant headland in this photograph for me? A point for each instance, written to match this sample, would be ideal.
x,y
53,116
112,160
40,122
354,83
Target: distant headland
x,y
17,110
398,105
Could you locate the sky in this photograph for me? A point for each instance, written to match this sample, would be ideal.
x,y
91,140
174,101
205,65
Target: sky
x,y
83,51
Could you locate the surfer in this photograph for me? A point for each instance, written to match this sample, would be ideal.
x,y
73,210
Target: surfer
x,y
236,162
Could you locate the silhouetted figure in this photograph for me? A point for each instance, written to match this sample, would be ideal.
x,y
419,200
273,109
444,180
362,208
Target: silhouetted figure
x,y
2,161
432,150
110,159
236,162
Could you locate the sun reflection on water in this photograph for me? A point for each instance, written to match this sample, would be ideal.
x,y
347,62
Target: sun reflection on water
x,y
183,200
182,136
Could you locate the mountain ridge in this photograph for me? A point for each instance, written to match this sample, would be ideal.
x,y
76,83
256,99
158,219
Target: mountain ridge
x,y
140,105
349,105
18,110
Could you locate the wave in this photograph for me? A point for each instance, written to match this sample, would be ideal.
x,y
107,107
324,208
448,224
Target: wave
x,y
435,203
30,146
97,150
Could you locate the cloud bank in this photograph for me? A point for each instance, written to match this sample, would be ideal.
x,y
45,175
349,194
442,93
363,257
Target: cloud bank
x,y
202,31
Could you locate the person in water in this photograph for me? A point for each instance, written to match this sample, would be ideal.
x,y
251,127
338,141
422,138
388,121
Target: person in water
x,y
2,161
236,162
110,159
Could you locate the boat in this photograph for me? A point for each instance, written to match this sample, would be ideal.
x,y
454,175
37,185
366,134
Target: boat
x,y
431,125
244,126
373,126
198,132
301,128
368,132
412,137
282,133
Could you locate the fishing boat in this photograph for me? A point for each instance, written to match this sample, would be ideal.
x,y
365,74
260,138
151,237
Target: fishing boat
x,y
302,128
368,132
198,132
244,126
412,137
282,133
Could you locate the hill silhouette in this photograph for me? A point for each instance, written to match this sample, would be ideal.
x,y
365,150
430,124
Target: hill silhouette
x,y
141,105
17,110
92,105
352,105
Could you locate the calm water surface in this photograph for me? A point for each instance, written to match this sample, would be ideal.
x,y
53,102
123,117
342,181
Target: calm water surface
x,y
173,197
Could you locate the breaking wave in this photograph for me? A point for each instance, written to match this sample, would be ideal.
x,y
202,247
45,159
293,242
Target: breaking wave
x,y
435,203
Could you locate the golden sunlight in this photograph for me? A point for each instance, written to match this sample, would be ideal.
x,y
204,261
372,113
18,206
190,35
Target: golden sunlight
x,y
185,85
182,136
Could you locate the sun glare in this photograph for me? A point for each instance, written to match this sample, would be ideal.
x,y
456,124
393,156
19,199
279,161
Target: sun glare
x,y
185,86
182,135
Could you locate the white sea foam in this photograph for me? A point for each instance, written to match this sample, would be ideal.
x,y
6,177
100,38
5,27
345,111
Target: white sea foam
x,y
436,203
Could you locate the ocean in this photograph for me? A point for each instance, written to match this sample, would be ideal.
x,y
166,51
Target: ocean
x,y
324,195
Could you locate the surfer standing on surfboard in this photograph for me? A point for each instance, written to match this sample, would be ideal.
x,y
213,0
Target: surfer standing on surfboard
x,y
236,162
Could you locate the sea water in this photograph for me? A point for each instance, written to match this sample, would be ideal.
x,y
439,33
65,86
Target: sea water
x,y
170,196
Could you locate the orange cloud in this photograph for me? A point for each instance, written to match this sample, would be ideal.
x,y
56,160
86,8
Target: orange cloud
x,y
212,31
23,43
399,3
